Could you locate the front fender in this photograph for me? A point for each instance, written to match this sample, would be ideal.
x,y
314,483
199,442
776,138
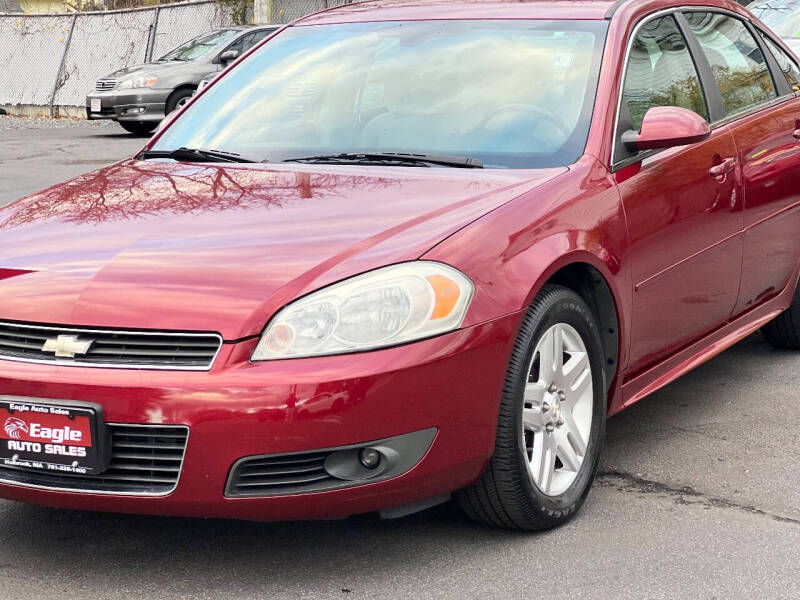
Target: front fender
x,y
512,252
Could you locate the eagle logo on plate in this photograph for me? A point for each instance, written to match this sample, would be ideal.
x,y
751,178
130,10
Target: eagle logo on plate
x,y
14,426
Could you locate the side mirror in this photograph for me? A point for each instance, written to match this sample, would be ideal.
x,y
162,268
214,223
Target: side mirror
x,y
667,127
229,56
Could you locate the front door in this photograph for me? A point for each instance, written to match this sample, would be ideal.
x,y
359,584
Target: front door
x,y
683,206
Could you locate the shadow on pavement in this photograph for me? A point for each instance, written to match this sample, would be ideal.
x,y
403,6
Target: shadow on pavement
x,y
121,135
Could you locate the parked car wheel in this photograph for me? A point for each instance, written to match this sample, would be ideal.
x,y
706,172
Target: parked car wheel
x,y
784,330
178,98
138,127
551,421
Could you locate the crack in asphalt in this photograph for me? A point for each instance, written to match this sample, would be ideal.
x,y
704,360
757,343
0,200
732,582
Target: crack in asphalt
x,y
627,482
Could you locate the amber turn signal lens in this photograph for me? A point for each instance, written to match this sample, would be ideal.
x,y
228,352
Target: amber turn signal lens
x,y
446,292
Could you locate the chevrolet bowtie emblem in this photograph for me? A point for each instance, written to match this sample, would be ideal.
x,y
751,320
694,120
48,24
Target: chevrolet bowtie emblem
x,y
67,346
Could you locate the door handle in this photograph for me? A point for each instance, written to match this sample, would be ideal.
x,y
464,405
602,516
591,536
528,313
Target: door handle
x,y
719,171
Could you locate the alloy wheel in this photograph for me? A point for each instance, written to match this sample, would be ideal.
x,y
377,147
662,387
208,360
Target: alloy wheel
x,y
557,409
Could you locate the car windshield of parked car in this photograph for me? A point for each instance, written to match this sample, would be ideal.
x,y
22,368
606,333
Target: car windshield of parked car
x,y
200,46
512,94
782,16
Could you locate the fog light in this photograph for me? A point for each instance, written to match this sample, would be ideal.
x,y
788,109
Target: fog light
x,y
370,458
135,111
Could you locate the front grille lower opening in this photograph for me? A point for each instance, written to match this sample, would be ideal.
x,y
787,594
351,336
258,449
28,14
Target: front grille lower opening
x,y
145,460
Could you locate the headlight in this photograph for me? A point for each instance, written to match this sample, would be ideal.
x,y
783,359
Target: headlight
x,y
385,307
140,81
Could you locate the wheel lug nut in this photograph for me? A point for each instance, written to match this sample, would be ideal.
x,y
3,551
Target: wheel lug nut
x,y
562,396
545,406
560,422
549,427
552,388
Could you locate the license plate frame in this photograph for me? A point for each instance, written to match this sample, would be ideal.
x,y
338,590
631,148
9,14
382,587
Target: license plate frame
x,y
95,105
50,436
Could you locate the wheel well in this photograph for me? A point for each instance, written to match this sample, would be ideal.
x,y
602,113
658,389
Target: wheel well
x,y
183,86
180,88
589,284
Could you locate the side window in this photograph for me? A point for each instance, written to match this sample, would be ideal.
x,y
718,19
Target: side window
x,y
737,61
252,39
785,62
242,44
660,72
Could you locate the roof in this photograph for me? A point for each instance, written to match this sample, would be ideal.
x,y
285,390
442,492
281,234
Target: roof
x,y
410,10
246,27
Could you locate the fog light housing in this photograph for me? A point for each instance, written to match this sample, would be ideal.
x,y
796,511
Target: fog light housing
x,y
137,110
370,458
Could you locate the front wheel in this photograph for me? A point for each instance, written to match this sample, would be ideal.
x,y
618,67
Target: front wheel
x,y
178,99
551,422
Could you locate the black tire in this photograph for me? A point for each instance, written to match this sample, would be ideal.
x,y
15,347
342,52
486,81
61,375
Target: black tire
x,y
784,330
176,97
506,494
138,127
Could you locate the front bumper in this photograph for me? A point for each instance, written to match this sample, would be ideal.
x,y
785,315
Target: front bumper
x,y
238,409
128,105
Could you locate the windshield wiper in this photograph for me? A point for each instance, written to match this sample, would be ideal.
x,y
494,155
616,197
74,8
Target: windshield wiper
x,y
196,155
393,159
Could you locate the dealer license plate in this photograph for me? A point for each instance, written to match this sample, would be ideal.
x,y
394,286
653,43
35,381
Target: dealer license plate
x,y
95,105
63,439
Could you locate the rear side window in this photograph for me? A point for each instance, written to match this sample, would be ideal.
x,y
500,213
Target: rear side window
x,y
660,72
242,44
786,63
737,61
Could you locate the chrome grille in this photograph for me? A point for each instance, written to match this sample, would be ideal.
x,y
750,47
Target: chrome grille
x,y
104,85
277,475
117,349
145,460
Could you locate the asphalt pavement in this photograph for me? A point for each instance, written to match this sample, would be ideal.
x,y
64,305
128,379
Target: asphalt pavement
x,y
698,494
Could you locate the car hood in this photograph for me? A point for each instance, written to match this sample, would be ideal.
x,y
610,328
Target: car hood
x,y
175,246
152,67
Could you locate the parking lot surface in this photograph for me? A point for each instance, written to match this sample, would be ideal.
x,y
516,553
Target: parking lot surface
x,y
698,494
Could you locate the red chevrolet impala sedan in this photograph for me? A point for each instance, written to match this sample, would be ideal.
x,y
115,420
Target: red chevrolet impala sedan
x,y
403,251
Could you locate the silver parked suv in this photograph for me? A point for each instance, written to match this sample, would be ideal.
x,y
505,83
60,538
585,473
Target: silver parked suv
x,y
139,97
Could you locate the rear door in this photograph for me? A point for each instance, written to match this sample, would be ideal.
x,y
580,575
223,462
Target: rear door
x,y
763,113
684,221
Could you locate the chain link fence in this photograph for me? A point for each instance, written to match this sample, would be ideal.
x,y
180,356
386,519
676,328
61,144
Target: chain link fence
x,y
49,62
30,55
176,25
286,11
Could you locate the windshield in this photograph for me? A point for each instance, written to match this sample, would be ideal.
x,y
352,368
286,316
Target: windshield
x,y
513,94
782,16
200,46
